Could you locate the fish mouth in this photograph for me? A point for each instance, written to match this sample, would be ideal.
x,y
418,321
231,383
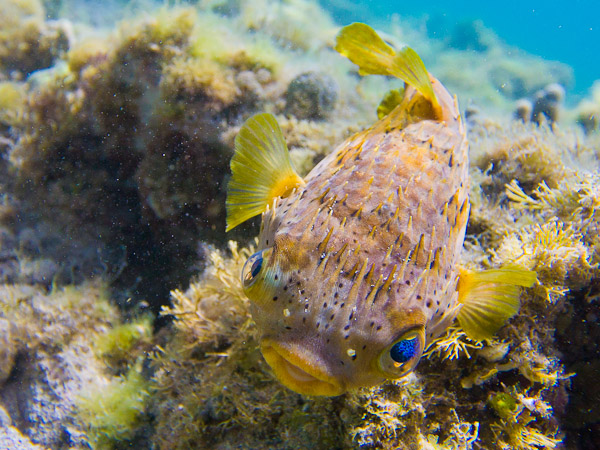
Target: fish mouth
x,y
297,373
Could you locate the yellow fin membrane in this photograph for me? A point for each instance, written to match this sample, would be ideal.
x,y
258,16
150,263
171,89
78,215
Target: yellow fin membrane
x,y
261,170
362,45
390,100
490,298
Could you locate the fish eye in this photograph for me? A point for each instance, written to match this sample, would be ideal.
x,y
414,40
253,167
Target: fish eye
x,y
403,355
404,350
253,267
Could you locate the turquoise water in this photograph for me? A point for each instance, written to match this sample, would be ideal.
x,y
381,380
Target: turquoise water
x,y
564,31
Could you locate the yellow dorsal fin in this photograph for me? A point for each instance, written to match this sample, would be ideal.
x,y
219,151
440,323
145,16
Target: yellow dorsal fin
x,y
261,170
362,45
489,298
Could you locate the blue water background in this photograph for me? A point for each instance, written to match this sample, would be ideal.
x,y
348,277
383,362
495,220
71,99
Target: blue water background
x,y
566,31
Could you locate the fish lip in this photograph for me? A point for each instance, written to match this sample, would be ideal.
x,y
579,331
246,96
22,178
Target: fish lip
x,y
299,374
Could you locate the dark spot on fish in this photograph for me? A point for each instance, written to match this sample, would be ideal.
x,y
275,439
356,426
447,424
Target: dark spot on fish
x,y
372,324
327,341
276,277
324,305
297,283
419,297
275,298
290,300
378,327
450,161
335,295
341,362
285,288
318,324
347,336
353,357
304,320
341,285
332,316
267,242
347,327
437,302
342,305
351,315
288,328
301,291
326,325
428,304
407,282
364,346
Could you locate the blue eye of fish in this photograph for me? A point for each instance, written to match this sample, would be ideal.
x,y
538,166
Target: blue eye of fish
x,y
404,350
256,266
252,268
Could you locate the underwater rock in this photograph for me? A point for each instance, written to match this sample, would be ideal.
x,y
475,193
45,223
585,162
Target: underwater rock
x,y
588,110
523,109
547,103
27,43
545,106
11,438
588,118
7,350
311,96
50,354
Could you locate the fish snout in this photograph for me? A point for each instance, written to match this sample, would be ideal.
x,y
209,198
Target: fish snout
x,y
300,369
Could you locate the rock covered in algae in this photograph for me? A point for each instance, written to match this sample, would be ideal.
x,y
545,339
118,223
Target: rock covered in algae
x,y
311,96
124,146
27,42
53,362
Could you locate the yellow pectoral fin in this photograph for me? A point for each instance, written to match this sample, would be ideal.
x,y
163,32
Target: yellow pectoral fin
x,y
365,48
261,170
489,298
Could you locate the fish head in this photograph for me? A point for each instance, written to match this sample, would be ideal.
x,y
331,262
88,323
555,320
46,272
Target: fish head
x,y
321,338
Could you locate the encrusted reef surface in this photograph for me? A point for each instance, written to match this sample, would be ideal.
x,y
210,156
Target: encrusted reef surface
x,y
122,319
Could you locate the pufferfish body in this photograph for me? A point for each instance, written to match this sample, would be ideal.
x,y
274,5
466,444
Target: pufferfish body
x,y
358,264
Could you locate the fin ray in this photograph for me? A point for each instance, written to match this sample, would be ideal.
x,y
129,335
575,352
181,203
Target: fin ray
x,y
365,48
489,298
261,170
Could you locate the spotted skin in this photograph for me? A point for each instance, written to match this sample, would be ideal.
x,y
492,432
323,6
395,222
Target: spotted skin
x,y
368,248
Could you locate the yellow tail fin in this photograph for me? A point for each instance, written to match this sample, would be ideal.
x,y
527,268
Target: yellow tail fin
x,y
261,170
362,45
489,298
